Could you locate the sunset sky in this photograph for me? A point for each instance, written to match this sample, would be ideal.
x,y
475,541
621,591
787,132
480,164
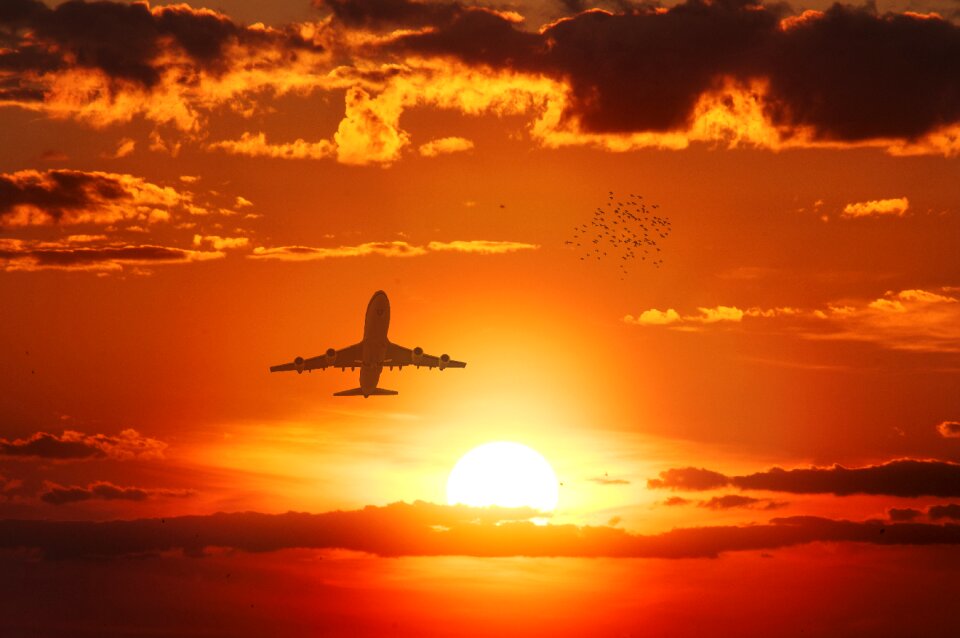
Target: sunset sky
x,y
760,437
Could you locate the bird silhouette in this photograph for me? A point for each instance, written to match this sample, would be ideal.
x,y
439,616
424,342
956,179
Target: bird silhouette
x,y
628,226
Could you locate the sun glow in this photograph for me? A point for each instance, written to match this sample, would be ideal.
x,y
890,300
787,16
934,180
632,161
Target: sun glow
x,y
505,474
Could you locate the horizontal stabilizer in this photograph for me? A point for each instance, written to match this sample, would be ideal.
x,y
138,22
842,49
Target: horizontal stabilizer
x,y
358,392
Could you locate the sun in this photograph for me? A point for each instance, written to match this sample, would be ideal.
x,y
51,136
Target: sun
x,y
505,474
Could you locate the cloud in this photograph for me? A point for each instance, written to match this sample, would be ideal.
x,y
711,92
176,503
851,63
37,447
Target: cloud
x,y
916,320
423,529
689,478
902,477
125,147
911,319
654,317
307,253
739,73
735,73
718,314
445,146
900,515
102,490
378,14
676,500
69,197
605,480
952,510
731,501
949,429
480,246
31,256
71,445
257,146
388,249
873,208
220,243
370,131
715,315
107,62
7,486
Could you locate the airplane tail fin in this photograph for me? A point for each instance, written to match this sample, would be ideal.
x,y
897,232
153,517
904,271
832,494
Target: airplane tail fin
x,y
358,392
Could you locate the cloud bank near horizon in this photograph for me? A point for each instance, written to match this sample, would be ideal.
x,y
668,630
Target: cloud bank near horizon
x,y
425,529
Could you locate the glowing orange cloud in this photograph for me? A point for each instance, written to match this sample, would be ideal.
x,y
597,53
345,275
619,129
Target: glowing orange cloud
x,y
897,207
388,249
17,255
67,197
912,319
257,146
444,146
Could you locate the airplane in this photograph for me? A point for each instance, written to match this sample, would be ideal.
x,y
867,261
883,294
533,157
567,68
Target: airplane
x,y
371,354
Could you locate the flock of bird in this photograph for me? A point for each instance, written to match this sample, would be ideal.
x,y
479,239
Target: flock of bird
x,y
627,230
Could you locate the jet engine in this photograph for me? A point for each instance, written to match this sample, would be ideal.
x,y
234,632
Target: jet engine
x,y
331,356
298,364
416,356
444,360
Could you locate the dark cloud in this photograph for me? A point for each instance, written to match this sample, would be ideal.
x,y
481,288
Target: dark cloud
x,y
949,429
478,37
904,477
952,510
377,14
102,62
70,445
124,41
689,478
102,490
57,192
899,514
731,501
50,446
69,197
846,74
28,258
855,75
676,500
423,529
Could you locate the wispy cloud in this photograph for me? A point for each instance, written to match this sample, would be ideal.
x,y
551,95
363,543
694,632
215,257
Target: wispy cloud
x,y
55,494
18,255
388,249
738,501
912,319
72,445
251,145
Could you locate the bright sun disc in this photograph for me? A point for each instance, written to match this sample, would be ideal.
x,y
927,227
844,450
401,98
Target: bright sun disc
x,y
504,474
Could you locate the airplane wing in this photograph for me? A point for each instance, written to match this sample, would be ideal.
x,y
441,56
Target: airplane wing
x,y
351,356
399,356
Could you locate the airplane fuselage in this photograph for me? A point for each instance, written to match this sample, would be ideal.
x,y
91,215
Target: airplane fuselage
x,y
371,354
375,326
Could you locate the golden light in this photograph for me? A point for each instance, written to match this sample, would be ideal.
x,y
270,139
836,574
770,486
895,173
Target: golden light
x,y
505,474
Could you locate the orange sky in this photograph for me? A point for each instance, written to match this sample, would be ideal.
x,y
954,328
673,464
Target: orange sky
x,y
189,196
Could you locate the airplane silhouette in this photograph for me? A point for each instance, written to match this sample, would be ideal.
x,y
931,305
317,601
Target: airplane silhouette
x,y
371,354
